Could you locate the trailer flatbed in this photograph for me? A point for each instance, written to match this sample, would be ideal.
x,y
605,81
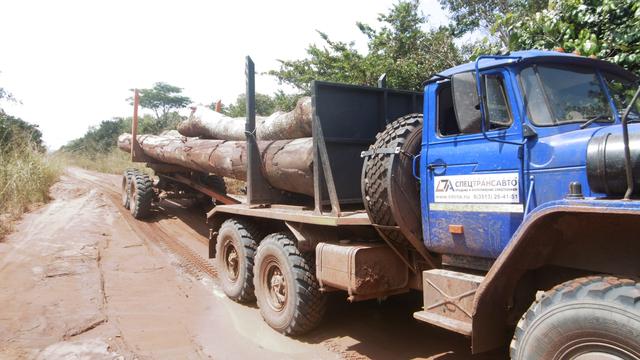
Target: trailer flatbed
x,y
300,214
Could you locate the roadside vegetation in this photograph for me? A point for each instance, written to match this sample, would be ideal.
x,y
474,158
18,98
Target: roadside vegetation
x,y
26,170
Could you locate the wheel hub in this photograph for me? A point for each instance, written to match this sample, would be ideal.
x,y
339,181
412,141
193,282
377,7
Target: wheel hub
x,y
277,287
132,194
595,351
231,261
125,191
597,356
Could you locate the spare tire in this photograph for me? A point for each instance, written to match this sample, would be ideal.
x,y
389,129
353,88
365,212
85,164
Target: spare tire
x,y
390,192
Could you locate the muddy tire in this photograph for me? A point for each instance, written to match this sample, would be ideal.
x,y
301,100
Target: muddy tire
x,y
236,247
389,191
286,287
126,189
141,195
589,316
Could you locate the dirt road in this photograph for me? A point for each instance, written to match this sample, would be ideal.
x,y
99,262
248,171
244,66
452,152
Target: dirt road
x,y
81,279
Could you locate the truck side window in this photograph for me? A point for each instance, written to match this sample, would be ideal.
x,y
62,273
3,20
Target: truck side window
x,y
622,91
496,104
447,122
496,108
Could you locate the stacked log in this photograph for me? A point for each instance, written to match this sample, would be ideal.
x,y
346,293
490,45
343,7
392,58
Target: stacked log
x,y
208,124
287,164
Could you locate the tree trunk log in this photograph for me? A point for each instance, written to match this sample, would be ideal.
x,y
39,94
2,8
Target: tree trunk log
x,y
208,124
287,164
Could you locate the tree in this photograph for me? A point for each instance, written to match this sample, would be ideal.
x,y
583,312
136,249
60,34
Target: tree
x,y
399,48
16,133
103,137
607,29
265,104
488,15
4,95
162,98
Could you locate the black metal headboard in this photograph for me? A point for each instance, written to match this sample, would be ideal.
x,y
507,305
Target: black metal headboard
x,y
346,119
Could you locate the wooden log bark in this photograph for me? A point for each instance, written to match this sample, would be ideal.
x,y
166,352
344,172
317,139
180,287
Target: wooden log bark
x,y
208,124
287,164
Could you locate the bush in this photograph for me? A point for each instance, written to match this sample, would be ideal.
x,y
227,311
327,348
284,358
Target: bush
x,y
26,174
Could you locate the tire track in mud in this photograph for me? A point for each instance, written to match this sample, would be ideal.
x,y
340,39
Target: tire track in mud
x,y
189,260
195,264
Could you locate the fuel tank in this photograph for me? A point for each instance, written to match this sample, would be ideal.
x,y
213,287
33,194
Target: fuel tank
x,y
606,165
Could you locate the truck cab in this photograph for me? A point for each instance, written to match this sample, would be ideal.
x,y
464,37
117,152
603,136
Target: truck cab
x,y
535,107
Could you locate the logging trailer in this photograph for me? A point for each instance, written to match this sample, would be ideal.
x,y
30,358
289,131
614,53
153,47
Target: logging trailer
x,y
506,192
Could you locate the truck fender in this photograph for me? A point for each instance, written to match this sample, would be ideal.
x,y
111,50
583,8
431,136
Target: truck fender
x,y
562,233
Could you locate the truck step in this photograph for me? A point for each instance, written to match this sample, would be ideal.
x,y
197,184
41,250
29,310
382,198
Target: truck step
x,y
448,299
458,326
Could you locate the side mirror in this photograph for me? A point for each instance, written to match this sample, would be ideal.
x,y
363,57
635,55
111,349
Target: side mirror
x,y
466,102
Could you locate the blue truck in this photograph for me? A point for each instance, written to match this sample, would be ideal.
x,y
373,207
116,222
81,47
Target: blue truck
x,y
507,193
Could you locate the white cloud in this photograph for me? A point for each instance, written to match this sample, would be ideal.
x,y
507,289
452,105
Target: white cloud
x,y
71,63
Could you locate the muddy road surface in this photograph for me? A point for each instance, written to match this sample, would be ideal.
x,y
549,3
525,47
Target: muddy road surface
x,y
81,279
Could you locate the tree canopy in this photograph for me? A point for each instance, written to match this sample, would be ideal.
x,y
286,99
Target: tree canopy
x,y
103,137
399,47
606,29
162,99
16,133
265,104
488,15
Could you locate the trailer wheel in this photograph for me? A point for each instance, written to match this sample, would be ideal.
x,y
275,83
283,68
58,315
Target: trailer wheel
x,y
126,194
235,251
390,193
593,317
141,195
286,287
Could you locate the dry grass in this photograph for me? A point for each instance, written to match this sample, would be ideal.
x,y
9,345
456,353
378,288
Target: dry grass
x,y
25,178
237,187
113,162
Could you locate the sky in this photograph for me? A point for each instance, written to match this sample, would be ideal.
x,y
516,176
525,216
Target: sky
x,y
71,63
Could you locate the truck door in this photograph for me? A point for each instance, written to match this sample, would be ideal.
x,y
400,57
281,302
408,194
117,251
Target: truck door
x,y
474,184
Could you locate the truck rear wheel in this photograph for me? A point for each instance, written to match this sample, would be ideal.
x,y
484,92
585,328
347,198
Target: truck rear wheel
x,y
594,317
141,195
286,287
235,251
126,193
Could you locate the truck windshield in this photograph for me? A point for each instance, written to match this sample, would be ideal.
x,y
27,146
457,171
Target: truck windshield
x,y
556,95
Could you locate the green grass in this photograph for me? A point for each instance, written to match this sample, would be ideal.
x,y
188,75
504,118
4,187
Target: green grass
x,y
25,178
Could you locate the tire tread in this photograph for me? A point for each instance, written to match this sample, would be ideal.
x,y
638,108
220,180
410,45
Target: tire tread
x,y
622,293
377,170
249,235
311,305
